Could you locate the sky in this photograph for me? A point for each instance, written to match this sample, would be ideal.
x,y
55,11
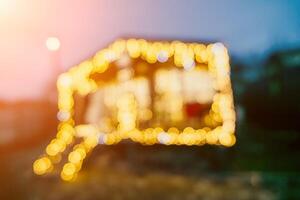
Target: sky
x,y
247,28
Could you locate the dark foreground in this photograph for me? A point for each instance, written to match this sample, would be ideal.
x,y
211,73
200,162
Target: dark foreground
x,y
263,164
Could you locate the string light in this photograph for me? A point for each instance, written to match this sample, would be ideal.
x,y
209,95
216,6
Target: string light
x,y
132,109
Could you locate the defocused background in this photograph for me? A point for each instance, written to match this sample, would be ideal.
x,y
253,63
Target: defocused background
x,y
40,39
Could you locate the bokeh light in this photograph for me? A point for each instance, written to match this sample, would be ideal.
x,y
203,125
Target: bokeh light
x,y
52,43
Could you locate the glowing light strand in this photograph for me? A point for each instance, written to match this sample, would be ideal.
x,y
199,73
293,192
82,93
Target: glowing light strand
x,y
77,80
